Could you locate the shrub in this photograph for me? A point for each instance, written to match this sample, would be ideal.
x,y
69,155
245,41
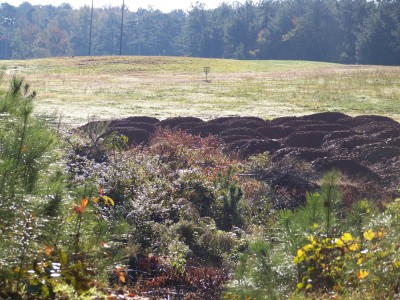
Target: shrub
x,y
49,246
230,209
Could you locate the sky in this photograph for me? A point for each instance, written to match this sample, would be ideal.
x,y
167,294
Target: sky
x,y
133,5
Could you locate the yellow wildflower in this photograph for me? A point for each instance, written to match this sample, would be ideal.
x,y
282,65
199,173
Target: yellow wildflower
x,y
369,235
346,237
354,247
300,285
396,263
339,243
308,247
300,256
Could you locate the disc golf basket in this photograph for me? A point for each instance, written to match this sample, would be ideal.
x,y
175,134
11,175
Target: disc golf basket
x,y
206,71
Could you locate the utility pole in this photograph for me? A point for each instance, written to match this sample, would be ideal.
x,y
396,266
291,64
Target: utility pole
x,y
138,33
90,30
122,27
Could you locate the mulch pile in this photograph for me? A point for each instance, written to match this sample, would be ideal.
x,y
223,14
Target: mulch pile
x,y
366,149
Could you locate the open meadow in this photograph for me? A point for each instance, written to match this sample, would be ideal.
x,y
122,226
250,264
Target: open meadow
x,y
79,88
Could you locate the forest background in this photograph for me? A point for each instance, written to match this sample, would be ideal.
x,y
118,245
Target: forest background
x,y
344,31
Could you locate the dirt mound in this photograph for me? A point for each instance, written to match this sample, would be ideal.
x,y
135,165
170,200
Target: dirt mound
x,y
345,146
307,139
231,139
276,132
250,123
246,148
366,148
236,120
324,127
142,119
350,167
376,153
393,141
327,117
135,135
115,126
304,154
241,131
178,122
208,129
337,135
281,121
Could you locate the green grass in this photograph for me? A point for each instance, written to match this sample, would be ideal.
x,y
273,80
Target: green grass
x,y
110,87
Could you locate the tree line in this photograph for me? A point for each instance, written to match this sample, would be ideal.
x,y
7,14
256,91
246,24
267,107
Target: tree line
x,y
344,31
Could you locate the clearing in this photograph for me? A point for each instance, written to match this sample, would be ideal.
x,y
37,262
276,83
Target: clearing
x,y
76,89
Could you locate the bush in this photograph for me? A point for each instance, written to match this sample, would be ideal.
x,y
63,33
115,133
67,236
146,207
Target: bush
x,y
318,251
56,238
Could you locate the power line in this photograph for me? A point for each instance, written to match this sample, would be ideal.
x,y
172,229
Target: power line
x,y
90,30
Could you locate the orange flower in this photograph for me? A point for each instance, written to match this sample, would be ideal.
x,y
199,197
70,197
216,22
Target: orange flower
x,y
79,209
362,274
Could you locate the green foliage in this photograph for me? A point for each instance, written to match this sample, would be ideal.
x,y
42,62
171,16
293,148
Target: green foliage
x,y
261,273
24,141
116,143
348,32
316,250
178,252
46,245
330,198
230,209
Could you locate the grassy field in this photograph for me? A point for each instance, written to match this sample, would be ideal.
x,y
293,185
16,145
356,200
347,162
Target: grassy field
x,y
82,88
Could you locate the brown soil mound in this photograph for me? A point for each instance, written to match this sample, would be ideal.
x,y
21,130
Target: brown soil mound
x,y
327,117
246,148
143,119
364,148
208,129
276,132
241,131
177,122
308,139
128,124
231,139
305,154
135,135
